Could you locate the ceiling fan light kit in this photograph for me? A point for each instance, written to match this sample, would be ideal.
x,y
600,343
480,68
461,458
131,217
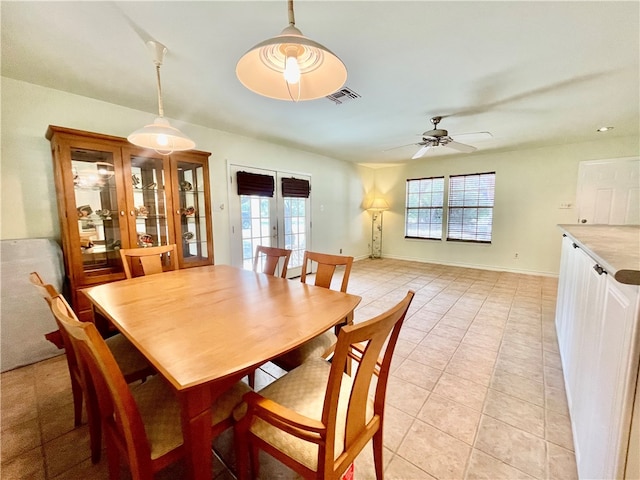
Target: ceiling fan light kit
x,y
291,67
160,135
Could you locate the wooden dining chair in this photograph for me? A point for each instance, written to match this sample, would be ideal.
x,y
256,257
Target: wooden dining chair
x,y
130,361
272,258
142,425
326,265
316,419
137,262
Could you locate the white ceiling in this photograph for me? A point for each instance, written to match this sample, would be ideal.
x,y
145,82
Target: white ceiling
x,y
531,73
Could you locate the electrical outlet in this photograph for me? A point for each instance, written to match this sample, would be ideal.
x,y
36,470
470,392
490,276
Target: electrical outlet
x,y
340,250
515,256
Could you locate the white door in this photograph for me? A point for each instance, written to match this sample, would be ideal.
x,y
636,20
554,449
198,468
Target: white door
x,y
277,221
609,191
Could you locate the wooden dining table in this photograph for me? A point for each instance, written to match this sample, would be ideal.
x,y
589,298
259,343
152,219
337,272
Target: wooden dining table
x,y
204,328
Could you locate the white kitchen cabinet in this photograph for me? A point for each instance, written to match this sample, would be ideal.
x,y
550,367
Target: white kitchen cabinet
x,y
597,324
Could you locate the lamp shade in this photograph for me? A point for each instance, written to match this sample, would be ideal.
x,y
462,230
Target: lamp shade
x,y
262,68
161,137
378,205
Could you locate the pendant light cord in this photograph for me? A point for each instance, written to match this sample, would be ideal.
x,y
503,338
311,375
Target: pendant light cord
x,y
292,20
160,107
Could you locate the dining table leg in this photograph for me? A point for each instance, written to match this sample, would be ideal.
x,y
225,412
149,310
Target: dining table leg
x,y
196,431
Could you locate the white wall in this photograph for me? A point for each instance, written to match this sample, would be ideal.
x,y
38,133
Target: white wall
x,y
530,187
28,193
530,184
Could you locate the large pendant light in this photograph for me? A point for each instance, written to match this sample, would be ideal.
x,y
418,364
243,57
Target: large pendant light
x,y
291,67
160,135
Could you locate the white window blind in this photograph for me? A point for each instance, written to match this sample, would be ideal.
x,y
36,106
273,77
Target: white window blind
x,y
470,214
425,200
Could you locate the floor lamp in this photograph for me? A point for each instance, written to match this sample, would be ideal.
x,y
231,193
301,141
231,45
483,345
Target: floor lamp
x,y
378,206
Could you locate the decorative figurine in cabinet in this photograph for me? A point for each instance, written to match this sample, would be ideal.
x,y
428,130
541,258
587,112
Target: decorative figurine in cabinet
x,y
114,195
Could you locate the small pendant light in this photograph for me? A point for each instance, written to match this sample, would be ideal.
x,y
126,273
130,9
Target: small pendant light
x,y
160,135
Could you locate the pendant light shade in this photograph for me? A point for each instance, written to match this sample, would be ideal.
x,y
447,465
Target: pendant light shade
x,y
291,67
160,135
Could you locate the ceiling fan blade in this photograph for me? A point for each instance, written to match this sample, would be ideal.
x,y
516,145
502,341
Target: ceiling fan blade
x,y
421,152
402,146
472,137
461,147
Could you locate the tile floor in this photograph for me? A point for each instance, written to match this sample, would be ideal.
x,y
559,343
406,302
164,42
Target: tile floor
x,y
476,389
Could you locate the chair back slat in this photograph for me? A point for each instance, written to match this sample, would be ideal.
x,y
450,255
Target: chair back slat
x,y
373,334
326,267
272,258
137,262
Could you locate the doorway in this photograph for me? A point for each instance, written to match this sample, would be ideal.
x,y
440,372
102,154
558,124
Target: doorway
x,y
271,208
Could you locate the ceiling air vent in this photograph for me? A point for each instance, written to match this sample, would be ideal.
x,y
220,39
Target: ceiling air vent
x,y
343,95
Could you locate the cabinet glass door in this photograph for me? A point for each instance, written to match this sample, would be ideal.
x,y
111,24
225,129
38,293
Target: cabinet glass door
x,y
192,212
100,225
147,200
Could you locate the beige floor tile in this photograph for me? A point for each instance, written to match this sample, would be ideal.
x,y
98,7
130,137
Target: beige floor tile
x,y
558,429
18,404
418,373
531,370
396,426
476,339
516,351
412,335
435,452
405,395
444,344
437,359
404,347
57,422
561,463
556,400
67,451
26,466
519,387
86,470
513,446
447,331
453,418
400,469
515,412
553,377
485,467
469,370
461,391
20,438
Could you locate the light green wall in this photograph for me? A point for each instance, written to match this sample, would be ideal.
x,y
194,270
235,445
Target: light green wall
x,y
27,188
530,187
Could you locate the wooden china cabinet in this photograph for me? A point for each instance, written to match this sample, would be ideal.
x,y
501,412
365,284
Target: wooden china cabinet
x,y
112,194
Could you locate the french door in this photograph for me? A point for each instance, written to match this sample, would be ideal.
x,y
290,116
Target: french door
x,y
278,220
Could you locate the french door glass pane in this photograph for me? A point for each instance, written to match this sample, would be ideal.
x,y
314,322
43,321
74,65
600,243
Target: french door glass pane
x,y
295,236
256,226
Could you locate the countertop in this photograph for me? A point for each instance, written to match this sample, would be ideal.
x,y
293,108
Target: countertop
x,y
615,247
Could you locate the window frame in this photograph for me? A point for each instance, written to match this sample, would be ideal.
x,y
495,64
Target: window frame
x,y
483,199
419,208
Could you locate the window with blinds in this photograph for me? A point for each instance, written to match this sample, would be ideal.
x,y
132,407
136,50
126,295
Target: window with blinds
x,y
425,197
470,212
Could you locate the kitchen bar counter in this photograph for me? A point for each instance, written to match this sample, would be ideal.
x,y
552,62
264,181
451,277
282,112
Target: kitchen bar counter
x,y
615,247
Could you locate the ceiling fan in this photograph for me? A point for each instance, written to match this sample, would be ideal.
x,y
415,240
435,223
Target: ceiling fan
x,y
440,138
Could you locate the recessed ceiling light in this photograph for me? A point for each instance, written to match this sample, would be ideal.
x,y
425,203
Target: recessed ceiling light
x,y
604,129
